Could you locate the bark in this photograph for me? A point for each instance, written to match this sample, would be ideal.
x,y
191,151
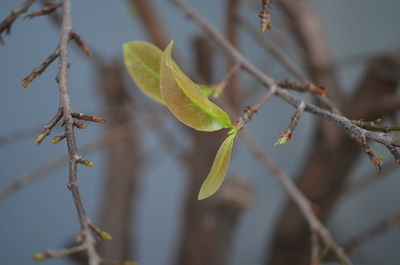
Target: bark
x,y
209,225
329,162
122,165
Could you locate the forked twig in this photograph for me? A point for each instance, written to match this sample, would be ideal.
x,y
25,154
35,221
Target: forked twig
x,y
5,25
360,134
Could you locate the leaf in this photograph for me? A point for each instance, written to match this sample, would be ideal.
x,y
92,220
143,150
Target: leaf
x,y
186,100
219,168
142,60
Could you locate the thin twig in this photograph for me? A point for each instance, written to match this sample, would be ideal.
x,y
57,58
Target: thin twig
x,y
74,36
86,117
294,120
5,25
299,199
40,69
59,253
88,239
114,134
372,232
368,180
48,127
270,48
376,127
361,134
46,10
251,110
307,87
19,135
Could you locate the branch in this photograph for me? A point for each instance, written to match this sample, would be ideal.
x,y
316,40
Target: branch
x,y
287,134
251,110
40,69
299,199
49,60
48,127
74,157
48,9
151,21
372,232
376,127
270,48
109,137
5,25
59,253
341,121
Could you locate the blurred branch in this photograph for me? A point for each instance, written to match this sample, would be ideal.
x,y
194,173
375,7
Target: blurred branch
x,y
301,201
19,135
48,9
376,127
5,25
123,162
373,232
270,48
341,121
151,21
232,36
368,180
306,28
208,226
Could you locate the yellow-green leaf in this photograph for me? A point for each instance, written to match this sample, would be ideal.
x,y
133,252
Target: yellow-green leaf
x,y
186,100
142,60
219,168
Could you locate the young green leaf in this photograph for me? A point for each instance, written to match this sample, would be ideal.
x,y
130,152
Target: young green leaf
x,y
219,168
142,60
186,100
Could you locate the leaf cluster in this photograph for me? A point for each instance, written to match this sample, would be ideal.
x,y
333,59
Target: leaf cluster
x,y
160,78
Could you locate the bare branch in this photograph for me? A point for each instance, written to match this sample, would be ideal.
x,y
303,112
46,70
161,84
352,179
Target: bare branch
x,y
59,253
5,25
251,110
74,157
48,127
74,36
151,22
372,232
308,87
86,117
299,199
40,69
375,126
269,82
270,48
48,9
116,133
287,134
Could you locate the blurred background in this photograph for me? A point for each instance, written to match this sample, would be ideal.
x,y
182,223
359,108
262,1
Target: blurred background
x,y
149,167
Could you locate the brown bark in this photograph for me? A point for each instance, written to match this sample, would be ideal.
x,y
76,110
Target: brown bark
x,y
330,159
232,35
209,225
151,21
122,165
